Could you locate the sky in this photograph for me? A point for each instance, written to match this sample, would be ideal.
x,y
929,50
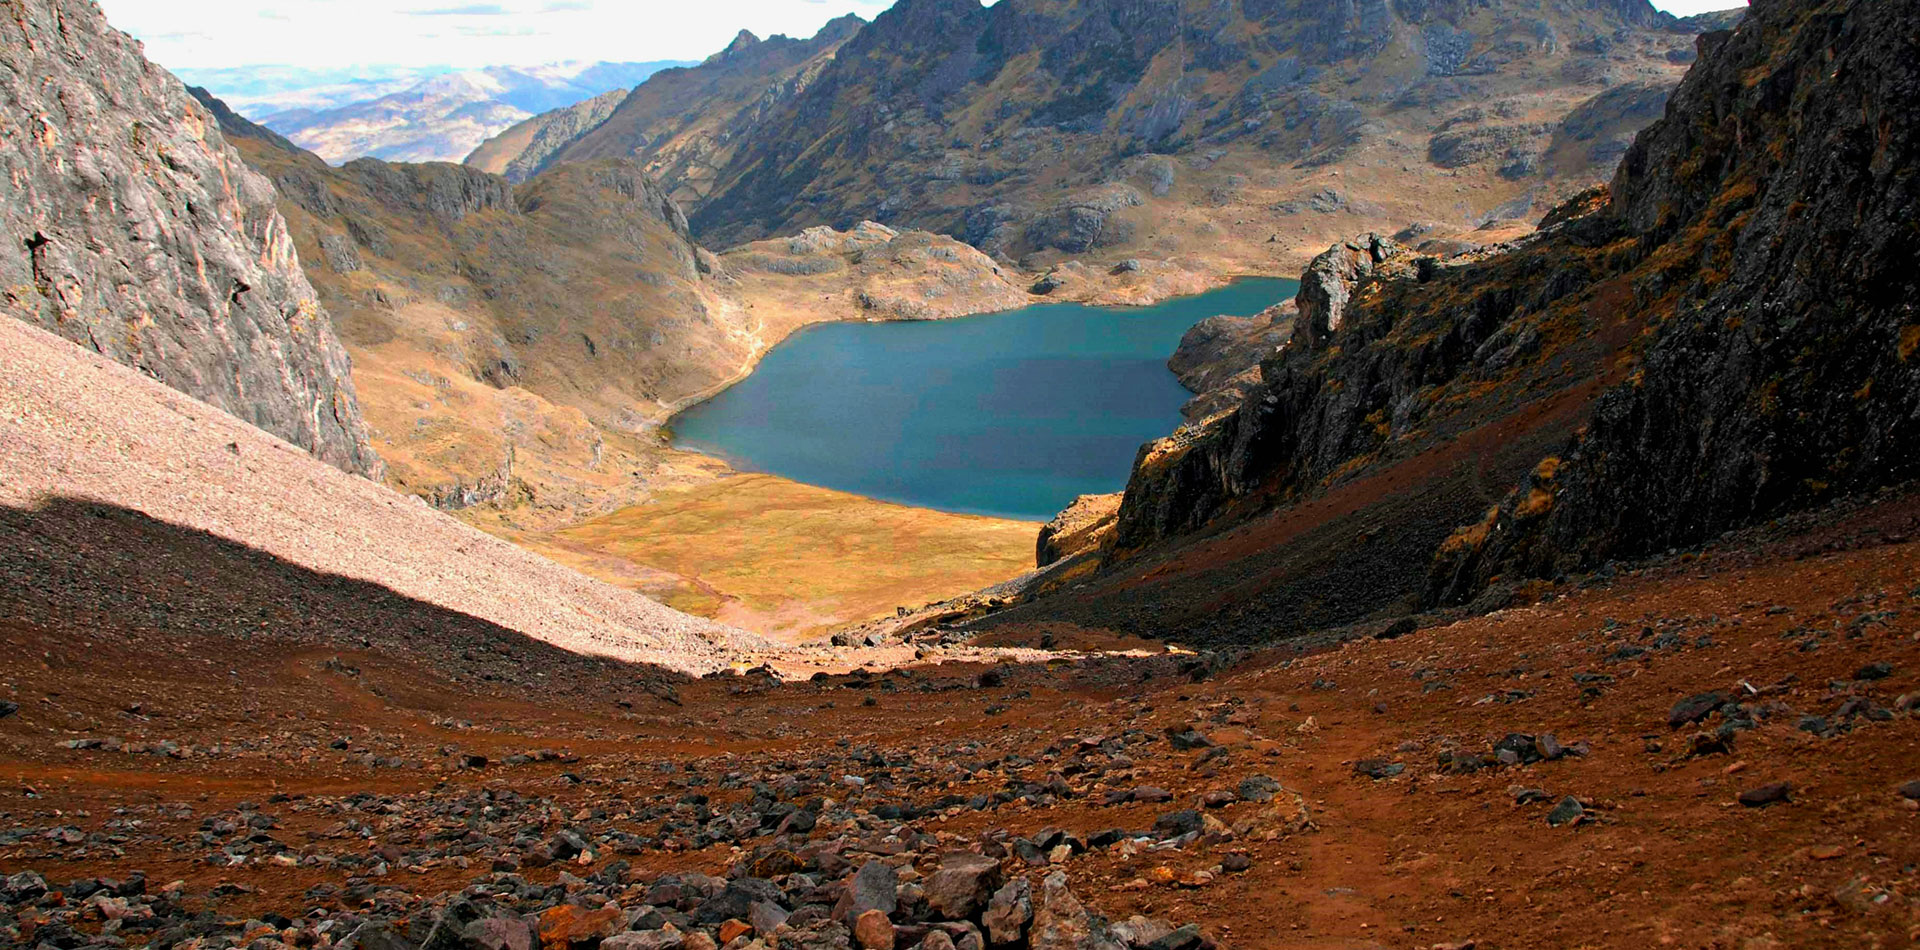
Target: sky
x,y
204,34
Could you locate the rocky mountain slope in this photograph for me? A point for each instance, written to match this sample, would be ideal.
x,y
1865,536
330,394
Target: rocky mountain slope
x,y
1226,137
684,125
135,230
78,432
523,149
443,117
516,345
1663,361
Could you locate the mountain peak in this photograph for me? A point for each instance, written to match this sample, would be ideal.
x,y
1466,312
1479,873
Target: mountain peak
x,y
744,40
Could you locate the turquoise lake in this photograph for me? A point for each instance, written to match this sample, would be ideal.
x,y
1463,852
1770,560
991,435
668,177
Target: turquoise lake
x,y
1009,414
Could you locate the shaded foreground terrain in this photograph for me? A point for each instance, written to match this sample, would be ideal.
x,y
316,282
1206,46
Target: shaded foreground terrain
x,y
450,792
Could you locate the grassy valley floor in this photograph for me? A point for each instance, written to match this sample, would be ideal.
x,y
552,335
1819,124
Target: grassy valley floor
x,y
787,560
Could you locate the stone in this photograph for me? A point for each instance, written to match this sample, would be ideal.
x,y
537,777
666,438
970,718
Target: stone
x,y
732,929
1149,793
1378,769
1182,938
8,708
873,930
567,925
1694,708
1138,931
765,916
1176,823
1185,740
1009,912
1877,670
872,888
1061,922
1259,788
778,863
1774,793
1910,790
1568,812
937,940
449,931
665,938
962,886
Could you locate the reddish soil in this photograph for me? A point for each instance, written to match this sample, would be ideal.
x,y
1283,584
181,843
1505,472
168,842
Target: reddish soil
x,y
1785,619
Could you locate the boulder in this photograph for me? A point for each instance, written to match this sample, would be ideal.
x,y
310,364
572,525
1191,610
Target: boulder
x,y
962,886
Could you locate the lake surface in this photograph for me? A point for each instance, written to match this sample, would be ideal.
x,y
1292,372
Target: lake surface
x,y
1009,414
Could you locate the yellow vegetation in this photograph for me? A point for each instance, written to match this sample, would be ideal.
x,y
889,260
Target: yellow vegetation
x,y
790,560
1471,536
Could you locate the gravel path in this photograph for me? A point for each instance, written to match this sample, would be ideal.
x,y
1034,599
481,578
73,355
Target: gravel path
x,y
73,424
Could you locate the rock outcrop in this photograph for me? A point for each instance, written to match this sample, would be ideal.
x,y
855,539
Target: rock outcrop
x,y
524,149
1775,212
137,231
1725,334
1219,358
874,272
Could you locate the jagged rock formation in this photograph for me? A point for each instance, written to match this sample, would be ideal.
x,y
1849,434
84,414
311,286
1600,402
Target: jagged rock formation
x,y
683,125
523,149
1082,528
1726,333
135,230
1776,216
1219,358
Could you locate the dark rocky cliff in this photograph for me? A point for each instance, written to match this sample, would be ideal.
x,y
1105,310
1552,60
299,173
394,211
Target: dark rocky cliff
x,y
1777,211
1727,333
135,230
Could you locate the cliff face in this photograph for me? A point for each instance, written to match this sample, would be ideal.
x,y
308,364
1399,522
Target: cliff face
x,y
1778,210
1726,333
525,148
134,229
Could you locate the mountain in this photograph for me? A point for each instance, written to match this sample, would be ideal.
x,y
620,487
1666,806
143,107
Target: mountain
x,y
518,346
685,124
515,345
1222,138
1041,125
443,117
1670,357
522,149
267,89
137,231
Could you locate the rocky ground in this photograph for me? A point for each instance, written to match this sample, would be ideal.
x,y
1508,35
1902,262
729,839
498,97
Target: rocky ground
x,y
1716,750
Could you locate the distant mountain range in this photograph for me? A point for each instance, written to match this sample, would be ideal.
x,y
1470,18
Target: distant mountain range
x,y
414,114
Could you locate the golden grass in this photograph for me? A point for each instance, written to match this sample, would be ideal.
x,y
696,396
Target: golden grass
x,y
789,560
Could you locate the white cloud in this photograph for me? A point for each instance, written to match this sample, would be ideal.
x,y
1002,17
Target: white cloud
x,y
185,34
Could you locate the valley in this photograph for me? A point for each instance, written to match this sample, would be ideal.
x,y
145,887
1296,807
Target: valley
x,y
1039,475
